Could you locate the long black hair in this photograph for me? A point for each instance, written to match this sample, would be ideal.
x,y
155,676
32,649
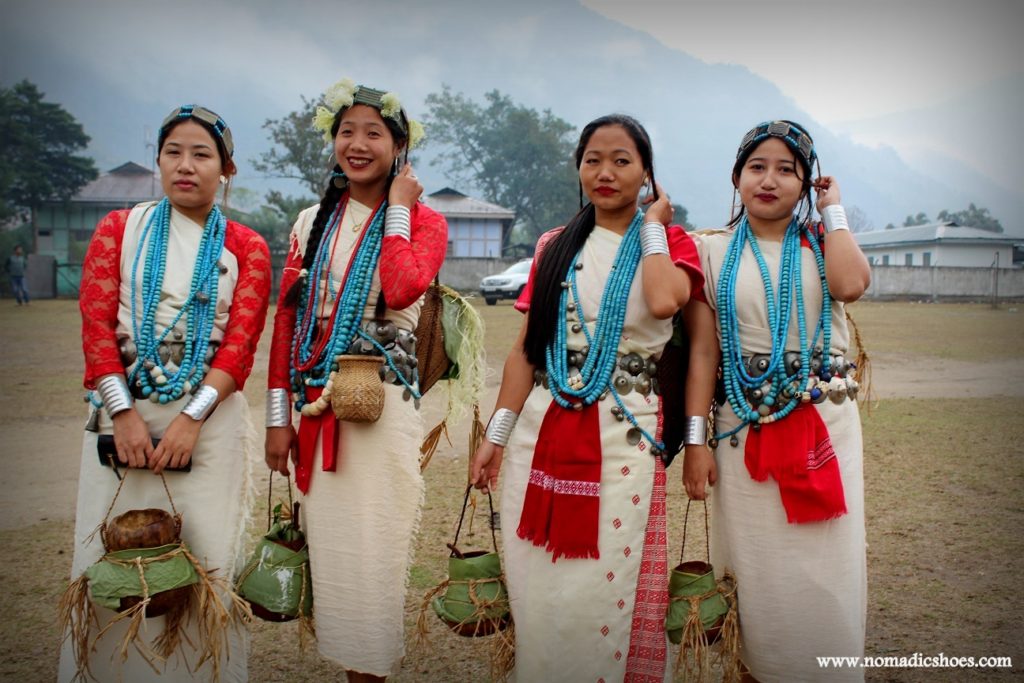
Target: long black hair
x,y
554,262
334,192
803,163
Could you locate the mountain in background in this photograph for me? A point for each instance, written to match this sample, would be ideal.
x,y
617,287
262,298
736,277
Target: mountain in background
x,y
548,54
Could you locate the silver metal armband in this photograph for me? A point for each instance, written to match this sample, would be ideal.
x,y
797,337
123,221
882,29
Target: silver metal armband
x,y
398,222
696,432
834,217
653,239
499,428
113,391
202,403
279,408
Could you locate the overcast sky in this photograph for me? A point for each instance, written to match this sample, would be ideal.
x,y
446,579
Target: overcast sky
x,y
844,59
852,65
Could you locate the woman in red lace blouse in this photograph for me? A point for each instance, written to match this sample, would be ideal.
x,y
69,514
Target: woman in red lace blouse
x,y
354,281
173,299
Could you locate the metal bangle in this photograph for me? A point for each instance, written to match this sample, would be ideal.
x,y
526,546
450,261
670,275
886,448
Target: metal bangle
x,y
653,239
279,408
113,391
696,431
834,217
398,222
202,403
499,428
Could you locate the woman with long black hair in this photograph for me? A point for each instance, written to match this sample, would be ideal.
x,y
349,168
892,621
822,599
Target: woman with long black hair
x,y
584,480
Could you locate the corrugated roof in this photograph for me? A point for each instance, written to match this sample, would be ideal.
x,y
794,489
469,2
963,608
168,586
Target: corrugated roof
x,y
947,231
129,183
454,204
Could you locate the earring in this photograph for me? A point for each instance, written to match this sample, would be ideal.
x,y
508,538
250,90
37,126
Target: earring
x,y
394,167
223,180
339,179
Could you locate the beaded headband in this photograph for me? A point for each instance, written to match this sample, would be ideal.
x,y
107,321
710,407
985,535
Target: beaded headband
x,y
194,111
345,93
799,141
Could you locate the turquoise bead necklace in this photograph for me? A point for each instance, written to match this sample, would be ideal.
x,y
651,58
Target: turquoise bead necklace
x,y
150,372
785,391
603,345
313,357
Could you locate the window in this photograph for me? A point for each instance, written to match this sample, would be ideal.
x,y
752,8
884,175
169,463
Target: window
x,y
926,259
871,260
885,260
908,259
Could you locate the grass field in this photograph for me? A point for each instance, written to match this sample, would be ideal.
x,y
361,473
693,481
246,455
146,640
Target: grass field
x,y
943,474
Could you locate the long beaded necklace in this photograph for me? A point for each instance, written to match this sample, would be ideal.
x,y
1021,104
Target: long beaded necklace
x,y
594,379
314,354
155,378
781,391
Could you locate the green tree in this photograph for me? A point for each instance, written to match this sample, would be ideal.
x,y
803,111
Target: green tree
x,y
512,155
920,219
300,152
973,217
38,142
681,216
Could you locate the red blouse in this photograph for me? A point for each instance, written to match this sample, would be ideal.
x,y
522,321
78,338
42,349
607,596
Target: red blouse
x,y
99,300
681,249
407,267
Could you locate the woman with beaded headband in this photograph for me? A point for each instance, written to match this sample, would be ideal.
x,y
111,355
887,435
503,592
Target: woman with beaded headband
x,y
358,268
584,477
788,496
173,298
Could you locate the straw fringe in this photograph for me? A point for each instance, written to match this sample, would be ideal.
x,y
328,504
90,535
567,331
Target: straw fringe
x,y
502,651
432,441
862,374
693,660
77,618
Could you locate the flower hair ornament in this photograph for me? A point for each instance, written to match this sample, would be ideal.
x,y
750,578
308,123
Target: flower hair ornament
x,y
346,93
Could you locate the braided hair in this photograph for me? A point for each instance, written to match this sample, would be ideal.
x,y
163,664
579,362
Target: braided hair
x,y
555,260
335,191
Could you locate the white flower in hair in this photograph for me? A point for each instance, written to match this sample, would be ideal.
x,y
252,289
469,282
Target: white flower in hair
x,y
390,106
416,134
340,94
323,120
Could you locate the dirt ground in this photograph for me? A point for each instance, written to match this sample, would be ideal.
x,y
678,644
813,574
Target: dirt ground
x,y
944,475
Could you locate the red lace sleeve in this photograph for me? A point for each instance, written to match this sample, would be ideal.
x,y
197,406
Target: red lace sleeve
x,y
523,302
279,372
98,298
407,267
683,252
249,303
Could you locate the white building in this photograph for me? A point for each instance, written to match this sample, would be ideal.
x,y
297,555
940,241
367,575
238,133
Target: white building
x,y
945,244
476,229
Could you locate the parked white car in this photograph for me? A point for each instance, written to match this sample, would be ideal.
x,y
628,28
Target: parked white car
x,y
507,284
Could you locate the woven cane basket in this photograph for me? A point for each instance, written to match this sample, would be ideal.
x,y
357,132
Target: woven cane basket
x,y
431,358
357,393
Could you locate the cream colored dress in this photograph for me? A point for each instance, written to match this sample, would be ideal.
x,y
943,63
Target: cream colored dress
x,y
214,498
802,588
576,619
361,519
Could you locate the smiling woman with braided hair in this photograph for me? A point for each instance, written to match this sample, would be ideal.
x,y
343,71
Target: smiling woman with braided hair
x,y
358,268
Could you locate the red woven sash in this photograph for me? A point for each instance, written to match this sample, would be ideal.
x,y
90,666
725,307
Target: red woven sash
x,y
309,427
797,453
562,501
